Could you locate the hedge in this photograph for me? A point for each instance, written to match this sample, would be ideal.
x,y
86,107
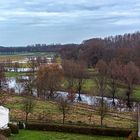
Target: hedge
x,y
6,132
14,128
80,129
132,136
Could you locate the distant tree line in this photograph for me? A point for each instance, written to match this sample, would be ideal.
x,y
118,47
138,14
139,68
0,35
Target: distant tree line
x,y
35,48
123,48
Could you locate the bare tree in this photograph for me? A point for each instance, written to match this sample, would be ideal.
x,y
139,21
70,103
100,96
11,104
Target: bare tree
x,y
28,105
102,110
69,68
64,106
80,75
75,73
49,78
131,77
29,85
2,77
114,71
101,84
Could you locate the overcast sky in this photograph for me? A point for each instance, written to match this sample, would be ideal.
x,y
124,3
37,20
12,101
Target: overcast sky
x,y
24,22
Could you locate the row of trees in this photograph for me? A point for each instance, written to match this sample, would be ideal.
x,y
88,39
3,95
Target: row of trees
x,y
107,78
124,48
74,73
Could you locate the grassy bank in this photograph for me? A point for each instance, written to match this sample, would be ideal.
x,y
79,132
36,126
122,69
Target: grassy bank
x,y
81,114
39,135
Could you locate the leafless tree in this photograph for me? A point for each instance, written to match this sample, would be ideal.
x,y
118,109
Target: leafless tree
x,y
69,68
2,77
131,77
75,73
28,106
101,84
49,78
64,106
80,76
114,72
102,110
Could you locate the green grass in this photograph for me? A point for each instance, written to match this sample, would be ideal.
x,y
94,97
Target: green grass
x,y
15,74
40,135
137,93
40,106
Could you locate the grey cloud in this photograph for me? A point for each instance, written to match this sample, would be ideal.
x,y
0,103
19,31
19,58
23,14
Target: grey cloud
x,y
74,19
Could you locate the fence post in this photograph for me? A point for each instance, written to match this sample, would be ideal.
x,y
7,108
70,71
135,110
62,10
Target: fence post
x,y
138,120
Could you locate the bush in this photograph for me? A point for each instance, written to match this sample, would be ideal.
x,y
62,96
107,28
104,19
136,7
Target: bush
x,y
70,122
21,125
6,132
132,136
14,128
80,129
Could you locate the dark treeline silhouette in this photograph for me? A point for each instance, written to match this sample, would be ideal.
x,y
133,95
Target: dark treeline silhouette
x,y
36,48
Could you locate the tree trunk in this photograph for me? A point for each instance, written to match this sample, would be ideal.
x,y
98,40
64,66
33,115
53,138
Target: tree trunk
x,y
63,118
102,105
128,100
79,92
26,120
51,93
113,97
101,121
113,92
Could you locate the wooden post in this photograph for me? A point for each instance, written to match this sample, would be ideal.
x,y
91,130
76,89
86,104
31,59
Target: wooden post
x,y
138,120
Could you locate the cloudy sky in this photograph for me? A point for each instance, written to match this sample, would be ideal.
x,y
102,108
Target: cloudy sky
x,y
24,22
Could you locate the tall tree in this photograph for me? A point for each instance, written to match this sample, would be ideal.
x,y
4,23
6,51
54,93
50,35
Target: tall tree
x,y
131,75
28,106
29,85
69,68
80,76
75,73
64,106
114,71
101,84
2,77
49,78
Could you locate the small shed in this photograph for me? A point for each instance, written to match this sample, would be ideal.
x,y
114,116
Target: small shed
x,y
4,117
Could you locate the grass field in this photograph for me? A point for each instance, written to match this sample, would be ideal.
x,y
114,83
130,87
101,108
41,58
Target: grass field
x,y
40,135
47,111
15,74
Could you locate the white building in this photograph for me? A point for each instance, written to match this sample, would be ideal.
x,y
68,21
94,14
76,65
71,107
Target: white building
x,y
4,117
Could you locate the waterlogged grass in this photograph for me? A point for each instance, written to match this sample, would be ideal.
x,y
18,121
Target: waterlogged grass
x,y
40,135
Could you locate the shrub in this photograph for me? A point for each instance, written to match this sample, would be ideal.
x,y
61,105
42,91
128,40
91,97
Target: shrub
x,y
14,128
6,132
21,125
70,122
132,136
80,129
